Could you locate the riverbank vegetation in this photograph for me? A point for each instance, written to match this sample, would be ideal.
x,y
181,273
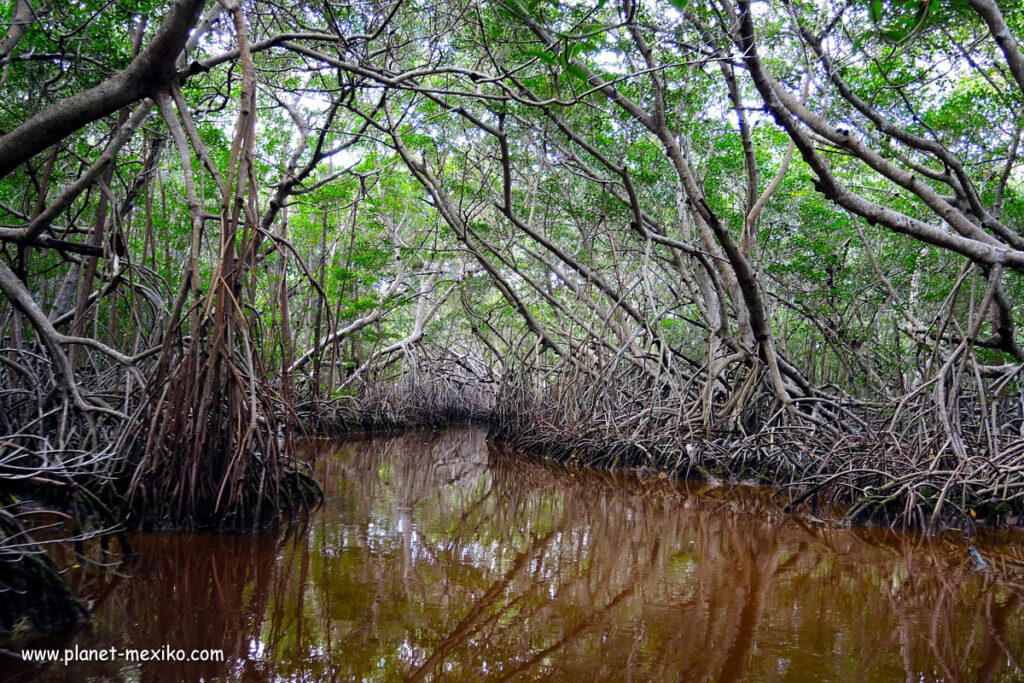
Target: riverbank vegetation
x,y
775,241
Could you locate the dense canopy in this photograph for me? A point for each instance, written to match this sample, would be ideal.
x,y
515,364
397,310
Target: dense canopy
x,y
779,241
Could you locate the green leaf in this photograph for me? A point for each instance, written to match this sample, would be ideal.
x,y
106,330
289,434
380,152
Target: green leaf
x,y
859,40
895,36
542,55
875,10
576,71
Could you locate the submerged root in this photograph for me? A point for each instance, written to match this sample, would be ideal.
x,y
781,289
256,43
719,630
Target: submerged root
x,y
33,595
36,598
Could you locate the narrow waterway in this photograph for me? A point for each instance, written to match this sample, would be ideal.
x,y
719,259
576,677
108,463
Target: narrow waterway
x,y
439,557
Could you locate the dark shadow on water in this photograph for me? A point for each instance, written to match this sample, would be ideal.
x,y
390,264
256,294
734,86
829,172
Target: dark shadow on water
x,y
438,557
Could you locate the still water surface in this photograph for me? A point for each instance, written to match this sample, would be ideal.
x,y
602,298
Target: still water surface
x,y
439,557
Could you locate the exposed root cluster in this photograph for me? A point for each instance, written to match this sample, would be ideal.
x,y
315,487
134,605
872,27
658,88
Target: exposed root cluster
x,y
888,464
431,389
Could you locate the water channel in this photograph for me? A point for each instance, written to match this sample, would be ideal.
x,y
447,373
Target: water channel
x,y
440,557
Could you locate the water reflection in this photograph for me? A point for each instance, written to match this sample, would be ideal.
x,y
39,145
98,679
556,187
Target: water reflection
x,y
438,558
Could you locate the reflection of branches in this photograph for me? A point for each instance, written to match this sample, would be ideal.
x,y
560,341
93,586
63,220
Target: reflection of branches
x,y
481,609
438,555
584,623
186,591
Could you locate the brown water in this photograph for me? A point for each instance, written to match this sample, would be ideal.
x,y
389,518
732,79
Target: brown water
x,y
437,557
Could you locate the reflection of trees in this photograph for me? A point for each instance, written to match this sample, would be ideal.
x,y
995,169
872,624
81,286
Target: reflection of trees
x,y
953,621
436,558
647,571
538,570
185,591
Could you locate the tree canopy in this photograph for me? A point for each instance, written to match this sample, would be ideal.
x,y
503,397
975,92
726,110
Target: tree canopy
x,y
777,240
